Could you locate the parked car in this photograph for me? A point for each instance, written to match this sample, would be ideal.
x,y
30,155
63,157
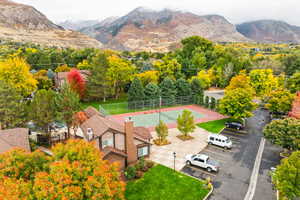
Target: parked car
x,y
202,161
234,125
219,140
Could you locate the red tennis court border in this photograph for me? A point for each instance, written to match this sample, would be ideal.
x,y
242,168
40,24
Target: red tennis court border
x,y
209,115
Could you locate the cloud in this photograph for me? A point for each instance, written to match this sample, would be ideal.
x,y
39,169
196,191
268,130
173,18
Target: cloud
x,y
235,11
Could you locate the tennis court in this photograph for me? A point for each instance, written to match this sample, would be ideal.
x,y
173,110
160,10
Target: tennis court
x,y
169,116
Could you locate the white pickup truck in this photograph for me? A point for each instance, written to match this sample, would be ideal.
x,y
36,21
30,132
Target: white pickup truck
x,y
202,161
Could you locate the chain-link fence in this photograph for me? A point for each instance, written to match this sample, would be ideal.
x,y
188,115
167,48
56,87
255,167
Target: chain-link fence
x,y
149,104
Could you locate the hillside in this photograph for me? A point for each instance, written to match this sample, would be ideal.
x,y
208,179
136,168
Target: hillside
x,y
77,25
270,31
19,22
149,30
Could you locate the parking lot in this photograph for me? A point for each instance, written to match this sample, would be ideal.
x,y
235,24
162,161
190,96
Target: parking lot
x,y
232,181
236,165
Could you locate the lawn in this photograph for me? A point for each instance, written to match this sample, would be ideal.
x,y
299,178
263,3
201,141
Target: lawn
x,y
214,126
163,183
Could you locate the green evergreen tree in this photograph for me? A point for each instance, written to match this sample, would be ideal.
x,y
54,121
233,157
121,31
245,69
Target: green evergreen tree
x,y
197,91
136,91
12,107
183,88
97,84
68,103
206,103
43,109
168,91
212,103
152,91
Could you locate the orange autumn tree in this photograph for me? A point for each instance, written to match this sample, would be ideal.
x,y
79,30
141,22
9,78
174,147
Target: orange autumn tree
x,y
77,82
75,171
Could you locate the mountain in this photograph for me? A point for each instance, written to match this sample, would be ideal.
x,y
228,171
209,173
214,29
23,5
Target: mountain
x,y
23,23
77,25
148,30
270,31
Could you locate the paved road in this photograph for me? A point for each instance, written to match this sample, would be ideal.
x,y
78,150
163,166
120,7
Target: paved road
x,y
270,159
232,182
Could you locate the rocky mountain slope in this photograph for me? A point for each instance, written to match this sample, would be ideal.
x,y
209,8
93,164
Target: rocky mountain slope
x,y
24,23
77,25
149,30
270,31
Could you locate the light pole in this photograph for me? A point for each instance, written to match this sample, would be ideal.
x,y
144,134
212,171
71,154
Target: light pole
x,y
174,154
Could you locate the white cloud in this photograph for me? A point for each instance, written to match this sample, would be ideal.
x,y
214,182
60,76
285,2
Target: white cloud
x,y
235,11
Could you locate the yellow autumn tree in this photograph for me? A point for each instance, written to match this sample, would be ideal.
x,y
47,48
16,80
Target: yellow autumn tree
x,y
148,77
16,72
63,68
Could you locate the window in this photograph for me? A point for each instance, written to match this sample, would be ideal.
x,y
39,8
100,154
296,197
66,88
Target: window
x,y
212,139
109,142
143,151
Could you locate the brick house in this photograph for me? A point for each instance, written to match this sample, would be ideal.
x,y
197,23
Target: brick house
x,y
14,138
60,78
122,143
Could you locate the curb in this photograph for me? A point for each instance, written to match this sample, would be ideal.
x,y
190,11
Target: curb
x,y
211,190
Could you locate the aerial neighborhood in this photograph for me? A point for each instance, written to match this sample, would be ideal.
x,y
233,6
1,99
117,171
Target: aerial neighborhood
x,y
153,105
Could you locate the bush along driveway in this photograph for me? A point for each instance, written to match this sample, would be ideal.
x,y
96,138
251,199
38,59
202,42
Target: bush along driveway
x,y
162,183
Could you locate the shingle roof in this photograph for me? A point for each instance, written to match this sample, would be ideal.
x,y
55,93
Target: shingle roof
x,y
100,125
107,150
12,138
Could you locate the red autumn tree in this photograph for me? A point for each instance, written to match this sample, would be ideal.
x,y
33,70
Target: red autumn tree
x,y
295,113
75,171
77,82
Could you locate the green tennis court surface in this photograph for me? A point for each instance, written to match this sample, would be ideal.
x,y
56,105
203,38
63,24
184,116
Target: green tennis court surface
x,y
152,119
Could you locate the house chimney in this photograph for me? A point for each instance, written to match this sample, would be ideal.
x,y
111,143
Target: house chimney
x,y
131,149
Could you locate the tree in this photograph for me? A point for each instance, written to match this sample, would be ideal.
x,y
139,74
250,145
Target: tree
x,y
136,91
237,103
186,123
16,72
43,81
284,133
207,102
76,171
204,79
287,176
148,77
98,86
241,81
63,68
197,91
68,103
77,82
168,90
183,88
167,68
291,63
263,81
293,83
12,107
43,109
152,91
280,101
212,103
119,73
162,132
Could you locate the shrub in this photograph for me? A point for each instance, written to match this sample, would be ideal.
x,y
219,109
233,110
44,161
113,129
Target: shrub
x,y
206,104
139,174
141,164
130,172
212,103
149,164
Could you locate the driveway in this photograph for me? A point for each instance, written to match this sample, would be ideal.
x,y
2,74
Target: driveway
x,y
164,154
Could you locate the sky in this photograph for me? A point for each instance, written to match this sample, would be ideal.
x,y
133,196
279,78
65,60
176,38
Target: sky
x,y
236,11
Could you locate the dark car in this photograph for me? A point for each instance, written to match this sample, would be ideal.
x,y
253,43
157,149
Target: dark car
x,y
234,125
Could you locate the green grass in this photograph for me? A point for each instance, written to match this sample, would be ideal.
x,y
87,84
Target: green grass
x,y
214,126
163,183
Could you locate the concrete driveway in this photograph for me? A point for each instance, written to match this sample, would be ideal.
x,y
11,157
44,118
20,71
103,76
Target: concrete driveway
x,y
164,154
